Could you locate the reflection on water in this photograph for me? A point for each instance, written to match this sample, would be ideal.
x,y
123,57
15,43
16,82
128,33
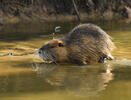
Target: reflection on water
x,y
89,80
24,76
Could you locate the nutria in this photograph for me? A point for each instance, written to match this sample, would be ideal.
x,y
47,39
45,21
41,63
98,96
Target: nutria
x,y
86,43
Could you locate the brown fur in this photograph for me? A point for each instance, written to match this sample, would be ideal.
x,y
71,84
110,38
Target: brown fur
x,y
86,43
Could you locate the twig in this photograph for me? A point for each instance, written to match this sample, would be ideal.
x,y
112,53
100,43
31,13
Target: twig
x,y
77,12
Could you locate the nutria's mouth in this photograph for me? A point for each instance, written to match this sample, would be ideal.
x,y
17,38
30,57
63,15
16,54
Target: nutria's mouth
x,y
45,55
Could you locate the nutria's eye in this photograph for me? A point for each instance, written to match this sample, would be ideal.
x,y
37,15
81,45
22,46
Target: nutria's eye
x,y
60,45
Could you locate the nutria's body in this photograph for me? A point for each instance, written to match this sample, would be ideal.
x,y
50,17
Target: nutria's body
x,y
86,43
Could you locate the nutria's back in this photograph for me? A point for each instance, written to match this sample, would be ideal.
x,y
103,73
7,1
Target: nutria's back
x,y
86,43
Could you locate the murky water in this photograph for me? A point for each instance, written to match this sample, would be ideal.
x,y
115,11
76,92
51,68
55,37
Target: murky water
x,y
24,76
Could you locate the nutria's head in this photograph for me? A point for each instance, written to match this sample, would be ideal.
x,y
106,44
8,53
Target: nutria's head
x,y
54,51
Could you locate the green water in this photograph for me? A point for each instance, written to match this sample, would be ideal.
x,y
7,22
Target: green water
x,y
24,76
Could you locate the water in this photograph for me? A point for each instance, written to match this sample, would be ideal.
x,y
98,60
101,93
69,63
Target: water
x,y
24,76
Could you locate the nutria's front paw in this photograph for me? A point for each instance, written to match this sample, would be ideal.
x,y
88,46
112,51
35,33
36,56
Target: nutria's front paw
x,y
102,60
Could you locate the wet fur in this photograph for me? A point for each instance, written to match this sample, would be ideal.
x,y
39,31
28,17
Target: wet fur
x,y
86,43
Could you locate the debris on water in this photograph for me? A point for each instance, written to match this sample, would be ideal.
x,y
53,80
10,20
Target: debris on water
x,y
57,28
108,71
10,54
53,35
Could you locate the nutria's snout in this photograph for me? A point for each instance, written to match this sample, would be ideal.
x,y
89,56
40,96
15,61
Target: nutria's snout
x,y
40,51
43,53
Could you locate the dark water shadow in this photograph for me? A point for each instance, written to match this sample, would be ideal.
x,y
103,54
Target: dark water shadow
x,y
23,31
27,31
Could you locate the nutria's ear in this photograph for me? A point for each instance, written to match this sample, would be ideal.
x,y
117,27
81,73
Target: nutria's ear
x,y
61,44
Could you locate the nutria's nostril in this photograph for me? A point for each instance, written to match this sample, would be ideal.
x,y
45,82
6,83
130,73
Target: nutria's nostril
x,y
39,51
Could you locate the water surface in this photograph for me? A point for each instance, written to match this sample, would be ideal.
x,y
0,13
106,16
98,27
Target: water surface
x,y
24,76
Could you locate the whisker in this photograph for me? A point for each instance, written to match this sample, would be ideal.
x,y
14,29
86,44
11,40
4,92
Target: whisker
x,y
49,56
45,56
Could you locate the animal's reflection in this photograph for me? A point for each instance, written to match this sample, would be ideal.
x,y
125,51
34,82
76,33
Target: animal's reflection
x,y
80,81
